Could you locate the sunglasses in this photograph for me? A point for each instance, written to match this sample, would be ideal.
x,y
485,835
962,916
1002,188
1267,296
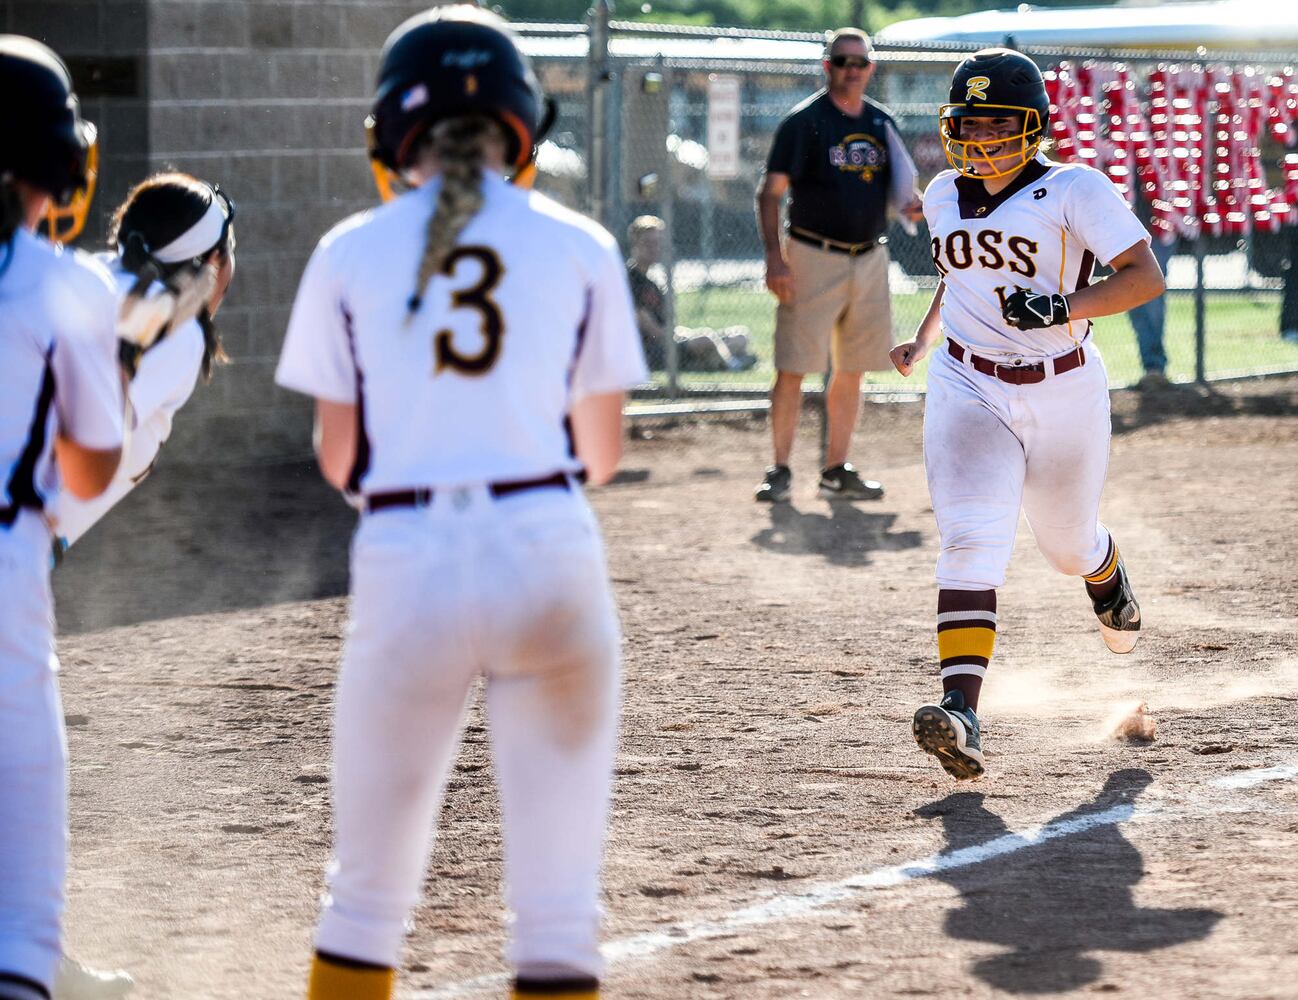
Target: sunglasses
x,y
845,62
228,205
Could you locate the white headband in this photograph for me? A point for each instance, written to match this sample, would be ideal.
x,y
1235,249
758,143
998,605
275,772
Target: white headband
x,y
198,239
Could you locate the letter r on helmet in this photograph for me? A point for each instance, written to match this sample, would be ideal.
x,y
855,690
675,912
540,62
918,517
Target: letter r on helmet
x,y
977,88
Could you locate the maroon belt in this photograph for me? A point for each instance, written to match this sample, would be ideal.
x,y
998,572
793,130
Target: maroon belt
x,y
1022,373
423,496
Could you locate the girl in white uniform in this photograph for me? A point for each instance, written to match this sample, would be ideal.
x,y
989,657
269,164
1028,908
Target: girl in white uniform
x,y
170,221
468,345
61,426
1017,413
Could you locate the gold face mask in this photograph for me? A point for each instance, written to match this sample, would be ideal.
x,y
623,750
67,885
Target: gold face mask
x,y
390,184
965,155
63,223
386,180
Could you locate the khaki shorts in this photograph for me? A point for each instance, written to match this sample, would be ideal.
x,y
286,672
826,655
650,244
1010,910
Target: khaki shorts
x,y
840,302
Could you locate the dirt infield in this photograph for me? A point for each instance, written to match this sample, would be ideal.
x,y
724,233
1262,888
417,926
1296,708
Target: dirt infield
x,y
775,833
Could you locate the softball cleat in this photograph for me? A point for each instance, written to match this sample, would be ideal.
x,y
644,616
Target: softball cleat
x,y
949,731
78,982
1119,615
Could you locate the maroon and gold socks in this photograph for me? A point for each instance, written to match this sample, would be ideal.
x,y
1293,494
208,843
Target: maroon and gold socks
x,y
966,633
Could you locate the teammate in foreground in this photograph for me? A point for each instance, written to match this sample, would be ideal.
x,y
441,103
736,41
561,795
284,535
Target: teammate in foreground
x,y
61,427
468,345
170,225
1017,414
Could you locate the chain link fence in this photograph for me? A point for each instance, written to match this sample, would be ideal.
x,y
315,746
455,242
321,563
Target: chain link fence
x,y
632,139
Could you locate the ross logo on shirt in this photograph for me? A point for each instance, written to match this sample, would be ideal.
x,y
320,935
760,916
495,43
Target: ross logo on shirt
x,y
977,88
1039,193
859,154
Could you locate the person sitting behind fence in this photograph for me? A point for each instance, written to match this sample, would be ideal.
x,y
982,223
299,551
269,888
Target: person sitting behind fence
x,y
698,349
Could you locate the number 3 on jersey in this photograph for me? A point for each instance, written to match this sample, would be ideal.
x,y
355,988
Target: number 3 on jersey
x,y
491,325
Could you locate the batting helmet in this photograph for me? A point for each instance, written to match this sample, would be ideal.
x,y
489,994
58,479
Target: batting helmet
x,y
446,63
46,141
995,83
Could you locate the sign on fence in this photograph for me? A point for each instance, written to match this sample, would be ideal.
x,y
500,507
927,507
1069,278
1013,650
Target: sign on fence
x,y
723,127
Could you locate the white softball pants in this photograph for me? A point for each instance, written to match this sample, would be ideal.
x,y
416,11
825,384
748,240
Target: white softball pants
x,y
991,449
33,758
514,589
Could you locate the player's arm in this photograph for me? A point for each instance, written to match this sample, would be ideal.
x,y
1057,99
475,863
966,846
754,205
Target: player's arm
x,y
335,441
770,195
597,434
1136,279
906,356
86,472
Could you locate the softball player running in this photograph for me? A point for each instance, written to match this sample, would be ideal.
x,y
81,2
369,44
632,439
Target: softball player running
x,y
169,224
468,345
1017,415
61,425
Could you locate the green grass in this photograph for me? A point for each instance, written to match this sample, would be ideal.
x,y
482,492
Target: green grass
x,y
1241,334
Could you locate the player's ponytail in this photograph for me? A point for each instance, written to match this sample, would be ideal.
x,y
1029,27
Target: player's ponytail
x,y
460,146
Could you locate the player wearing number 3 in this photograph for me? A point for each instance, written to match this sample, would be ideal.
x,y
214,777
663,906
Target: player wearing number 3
x,y
1017,414
468,345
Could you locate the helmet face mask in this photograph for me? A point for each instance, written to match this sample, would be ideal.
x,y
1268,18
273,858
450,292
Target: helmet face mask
x,y
993,157
64,220
995,84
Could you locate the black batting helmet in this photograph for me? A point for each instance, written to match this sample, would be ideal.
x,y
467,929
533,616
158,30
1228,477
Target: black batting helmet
x,y
445,63
994,83
46,142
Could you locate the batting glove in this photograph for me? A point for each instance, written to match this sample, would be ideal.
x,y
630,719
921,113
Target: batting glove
x,y
1025,309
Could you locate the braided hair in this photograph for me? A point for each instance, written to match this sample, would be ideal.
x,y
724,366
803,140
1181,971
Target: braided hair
x,y
460,146
155,212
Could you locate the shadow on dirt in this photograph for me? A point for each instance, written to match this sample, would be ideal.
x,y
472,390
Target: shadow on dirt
x,y
194,539
1055,902
1135,410
844,537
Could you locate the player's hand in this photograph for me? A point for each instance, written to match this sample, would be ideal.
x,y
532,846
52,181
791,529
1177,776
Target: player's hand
x,y
1024,309
779,279
906,356
914,211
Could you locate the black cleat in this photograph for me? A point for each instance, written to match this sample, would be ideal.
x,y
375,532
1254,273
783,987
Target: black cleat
x,y
843,482
949,731
776,486
1119,615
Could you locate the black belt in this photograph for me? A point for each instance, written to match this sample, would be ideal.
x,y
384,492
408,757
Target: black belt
x,y
423,496
1022,373
834,246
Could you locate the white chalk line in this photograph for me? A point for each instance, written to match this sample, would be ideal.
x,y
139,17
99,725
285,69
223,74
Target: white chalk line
x,y
782,908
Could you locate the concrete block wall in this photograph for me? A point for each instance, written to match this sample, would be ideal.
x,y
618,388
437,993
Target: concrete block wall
x,y
266,98
105,44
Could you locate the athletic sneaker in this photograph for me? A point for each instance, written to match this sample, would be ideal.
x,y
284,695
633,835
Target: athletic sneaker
x,y
843,482
1119,615
776,486
949,732
76,982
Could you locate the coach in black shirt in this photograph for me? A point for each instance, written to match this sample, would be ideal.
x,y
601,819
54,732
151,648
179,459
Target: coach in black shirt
x,y
839,158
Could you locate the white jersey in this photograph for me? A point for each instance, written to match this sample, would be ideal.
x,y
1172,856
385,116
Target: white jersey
x,y
476,387
1044,232
163,383
58,364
